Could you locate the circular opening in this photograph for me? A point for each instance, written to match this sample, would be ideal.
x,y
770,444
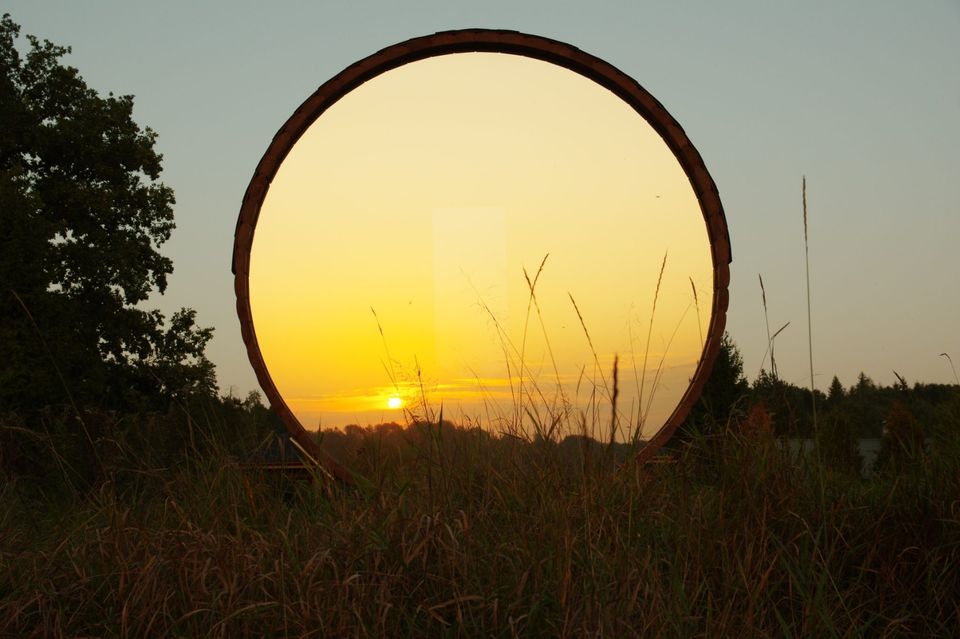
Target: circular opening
x,y
488,226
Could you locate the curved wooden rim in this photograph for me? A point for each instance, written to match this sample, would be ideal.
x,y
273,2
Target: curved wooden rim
x,y
491,41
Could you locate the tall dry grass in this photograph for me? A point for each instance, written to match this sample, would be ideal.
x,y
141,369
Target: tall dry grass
x,y
464,533
473,535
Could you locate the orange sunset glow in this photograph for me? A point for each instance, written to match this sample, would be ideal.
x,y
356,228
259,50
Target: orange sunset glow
x,y
395,252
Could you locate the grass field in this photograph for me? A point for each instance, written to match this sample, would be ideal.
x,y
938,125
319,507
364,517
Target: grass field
x,y
474,535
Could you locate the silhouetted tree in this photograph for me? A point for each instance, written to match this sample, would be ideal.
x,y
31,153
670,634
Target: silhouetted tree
x,y
723,390
837,436
863,384
835,393
865,405
772,392
83,216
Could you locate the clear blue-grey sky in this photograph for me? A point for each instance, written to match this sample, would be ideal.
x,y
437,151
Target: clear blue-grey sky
x,y
861,97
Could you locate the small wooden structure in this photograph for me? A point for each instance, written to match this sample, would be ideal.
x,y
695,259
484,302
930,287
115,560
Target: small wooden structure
x,y
489,41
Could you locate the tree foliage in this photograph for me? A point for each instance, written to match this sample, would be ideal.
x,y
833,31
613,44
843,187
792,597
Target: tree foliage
x,y
724,389
83,216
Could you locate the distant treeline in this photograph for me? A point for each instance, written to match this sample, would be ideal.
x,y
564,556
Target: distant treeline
x,y
905,417
356,444
770,403
864,408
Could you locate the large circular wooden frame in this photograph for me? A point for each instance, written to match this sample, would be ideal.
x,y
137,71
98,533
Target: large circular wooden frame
x,y
489,41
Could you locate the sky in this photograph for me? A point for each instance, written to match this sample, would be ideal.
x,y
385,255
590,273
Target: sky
x,y
862,98
417,203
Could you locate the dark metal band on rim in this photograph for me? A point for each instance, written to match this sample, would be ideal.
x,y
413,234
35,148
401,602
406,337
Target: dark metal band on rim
x,y
488,41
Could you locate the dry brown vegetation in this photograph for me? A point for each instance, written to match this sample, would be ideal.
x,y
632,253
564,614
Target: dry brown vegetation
x,y
484,536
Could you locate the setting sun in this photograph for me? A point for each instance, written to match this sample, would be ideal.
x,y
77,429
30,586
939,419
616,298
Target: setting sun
x,y
394,247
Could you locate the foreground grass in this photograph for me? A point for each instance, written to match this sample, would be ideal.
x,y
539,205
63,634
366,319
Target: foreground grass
x,y
492,538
